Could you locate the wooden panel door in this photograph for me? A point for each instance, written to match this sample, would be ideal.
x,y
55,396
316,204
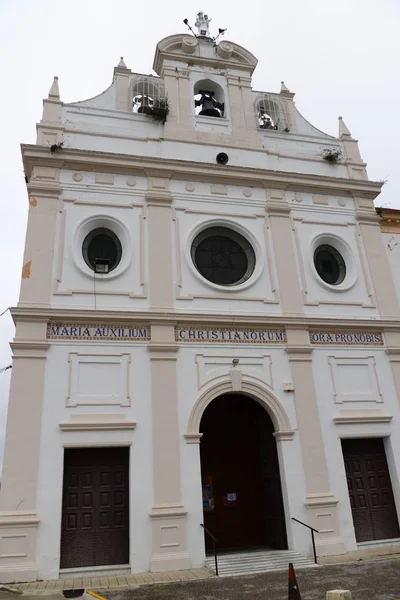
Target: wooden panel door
x,y
239,463
95,512
370,490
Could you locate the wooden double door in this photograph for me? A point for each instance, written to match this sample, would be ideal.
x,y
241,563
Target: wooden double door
x,y
242,498
95,510
370,490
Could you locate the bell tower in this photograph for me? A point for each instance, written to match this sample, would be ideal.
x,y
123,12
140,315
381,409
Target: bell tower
x,y
208,84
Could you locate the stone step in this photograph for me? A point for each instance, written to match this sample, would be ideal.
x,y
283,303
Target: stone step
x,y
257,561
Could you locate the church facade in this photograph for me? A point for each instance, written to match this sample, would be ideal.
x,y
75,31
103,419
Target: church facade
x,y
207,331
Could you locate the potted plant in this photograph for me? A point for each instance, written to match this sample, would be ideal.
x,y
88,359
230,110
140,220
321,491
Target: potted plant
x,y
160,109
332,155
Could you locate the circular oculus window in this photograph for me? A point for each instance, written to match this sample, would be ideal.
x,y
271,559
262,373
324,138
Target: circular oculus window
x,y
329,264
223,256
101,246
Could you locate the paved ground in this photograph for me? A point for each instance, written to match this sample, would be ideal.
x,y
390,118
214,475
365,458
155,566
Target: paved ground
x,y
105,582
372,580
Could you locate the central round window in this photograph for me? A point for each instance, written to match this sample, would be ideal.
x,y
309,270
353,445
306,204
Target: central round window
x,y
102,247
223,256
329,264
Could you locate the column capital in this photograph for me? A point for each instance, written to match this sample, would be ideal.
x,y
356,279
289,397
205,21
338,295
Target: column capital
x,y
299,353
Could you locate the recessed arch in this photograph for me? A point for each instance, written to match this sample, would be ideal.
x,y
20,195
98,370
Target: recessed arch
x,y
208,94
270,112
249,387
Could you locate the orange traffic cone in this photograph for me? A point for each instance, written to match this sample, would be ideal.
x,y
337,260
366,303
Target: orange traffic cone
x,y
294,592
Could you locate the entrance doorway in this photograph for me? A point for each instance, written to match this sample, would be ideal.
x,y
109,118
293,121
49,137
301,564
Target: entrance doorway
x,y
95,510
242,497
370,490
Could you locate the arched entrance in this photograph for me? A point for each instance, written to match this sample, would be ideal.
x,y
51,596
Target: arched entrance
x,y
242,497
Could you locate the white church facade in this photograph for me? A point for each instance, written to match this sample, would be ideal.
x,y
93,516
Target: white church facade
x,y
207,332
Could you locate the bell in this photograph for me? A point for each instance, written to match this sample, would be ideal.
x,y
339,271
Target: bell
x,y
209,110
145,110
145,105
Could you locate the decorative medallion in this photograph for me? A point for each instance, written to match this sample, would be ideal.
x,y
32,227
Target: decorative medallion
x,y
247,192
131,181
77,176
190,187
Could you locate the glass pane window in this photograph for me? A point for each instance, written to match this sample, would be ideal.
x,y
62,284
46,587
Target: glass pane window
x,y
102,245
329,264
223,256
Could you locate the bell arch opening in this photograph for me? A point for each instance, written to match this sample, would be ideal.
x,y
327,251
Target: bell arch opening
x,y
209,99
270,113
241,485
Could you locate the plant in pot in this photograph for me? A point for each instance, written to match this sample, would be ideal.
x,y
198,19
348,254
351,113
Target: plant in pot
x,y
332,155
160,109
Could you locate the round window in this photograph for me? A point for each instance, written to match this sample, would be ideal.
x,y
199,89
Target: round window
x,y
223,256
329,264
102,250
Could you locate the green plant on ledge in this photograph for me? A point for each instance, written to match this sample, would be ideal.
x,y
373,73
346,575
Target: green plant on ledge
x,y
159,110
332,155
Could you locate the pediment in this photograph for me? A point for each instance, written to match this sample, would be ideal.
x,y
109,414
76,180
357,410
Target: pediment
x,y
186,48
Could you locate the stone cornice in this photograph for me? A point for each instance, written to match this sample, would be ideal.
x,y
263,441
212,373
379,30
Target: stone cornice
x,y
91,160
389,220
50,189
38,314
18,519
112,425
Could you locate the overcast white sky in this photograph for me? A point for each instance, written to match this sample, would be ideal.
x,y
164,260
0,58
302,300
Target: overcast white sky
x,y
339,57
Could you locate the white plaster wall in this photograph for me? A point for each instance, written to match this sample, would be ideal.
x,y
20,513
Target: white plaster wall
x,y
55,411
91,203
106,122
208,206
392,245
319,219
277,155
332,433
104,100
95,124
289,452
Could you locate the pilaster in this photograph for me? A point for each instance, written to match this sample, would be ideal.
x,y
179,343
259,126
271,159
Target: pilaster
x,y
278,210
122,81
169,535
18,517
392,339
50,129
242,111
180,117
159,201
355,165
43,190
382,278
290,108
320,502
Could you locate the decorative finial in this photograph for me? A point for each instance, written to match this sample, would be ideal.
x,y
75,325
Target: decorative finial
x,y
343,129
203,24
54,90
122,64
284,88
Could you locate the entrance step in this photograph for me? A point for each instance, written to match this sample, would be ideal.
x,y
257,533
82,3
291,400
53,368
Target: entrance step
x,y
257,561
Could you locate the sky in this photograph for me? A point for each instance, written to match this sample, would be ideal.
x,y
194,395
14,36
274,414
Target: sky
x,y
339,57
